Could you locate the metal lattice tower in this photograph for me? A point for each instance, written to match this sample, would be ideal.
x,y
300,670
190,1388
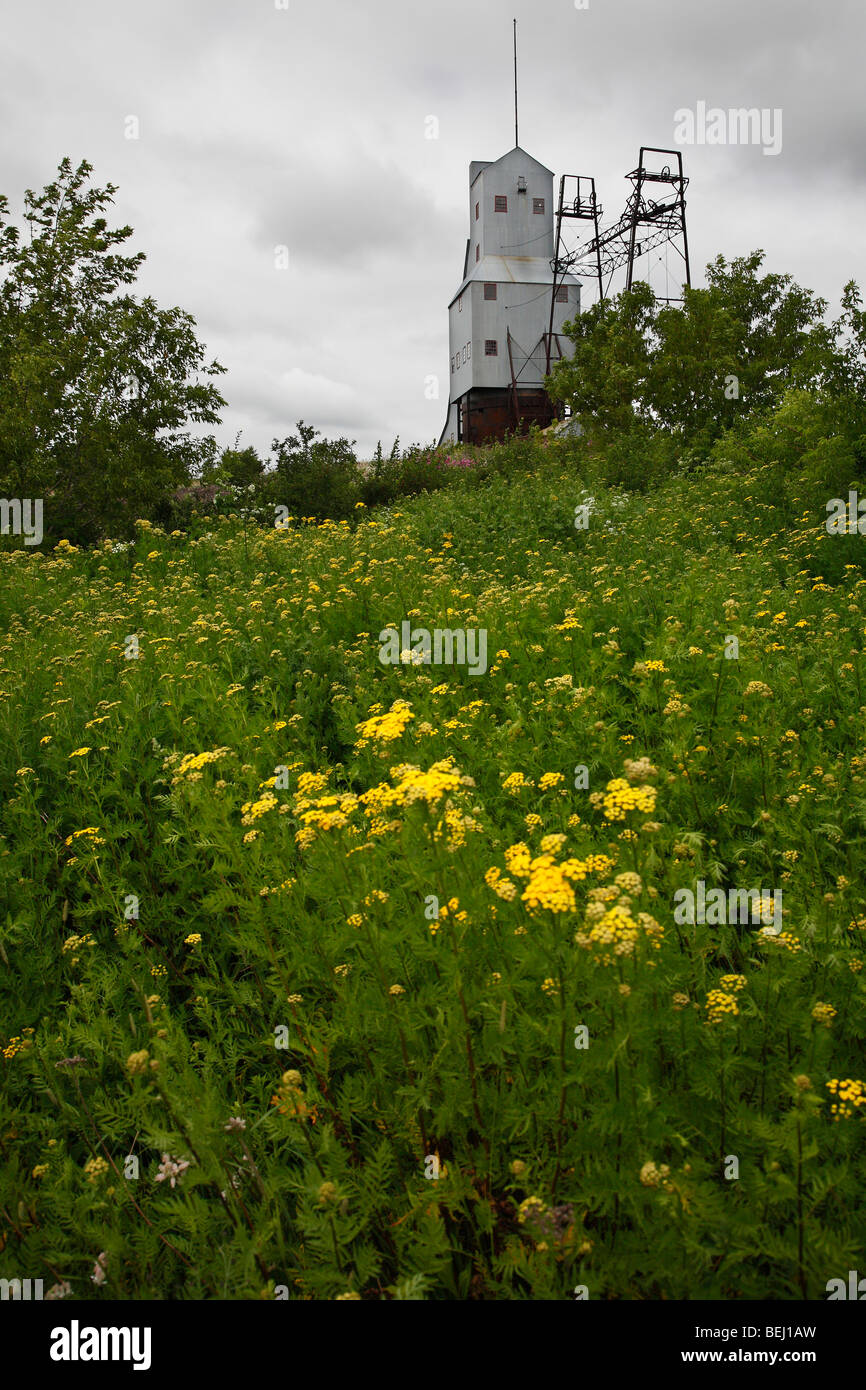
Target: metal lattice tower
x,y
645,224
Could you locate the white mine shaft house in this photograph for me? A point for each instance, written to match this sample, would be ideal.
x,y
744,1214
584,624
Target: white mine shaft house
x,y
499,321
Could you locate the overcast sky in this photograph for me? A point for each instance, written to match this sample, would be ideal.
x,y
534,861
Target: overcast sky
x,y
305,126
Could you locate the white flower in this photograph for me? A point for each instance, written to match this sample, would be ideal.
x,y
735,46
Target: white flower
x,y
171,1168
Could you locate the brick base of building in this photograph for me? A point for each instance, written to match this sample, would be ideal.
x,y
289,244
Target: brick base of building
x,y
490,414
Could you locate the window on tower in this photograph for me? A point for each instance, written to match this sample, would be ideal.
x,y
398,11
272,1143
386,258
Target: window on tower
x,y
476,212
477,253
491,348
562,294
489,291
500,203
538,205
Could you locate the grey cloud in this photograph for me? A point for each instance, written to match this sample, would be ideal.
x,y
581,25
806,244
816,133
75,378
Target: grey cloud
x,y
306,127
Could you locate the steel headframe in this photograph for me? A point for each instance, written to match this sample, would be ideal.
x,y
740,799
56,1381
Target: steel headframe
x,y
580,205
664,221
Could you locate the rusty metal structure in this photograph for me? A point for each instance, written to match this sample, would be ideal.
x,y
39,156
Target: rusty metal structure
x,y
646,224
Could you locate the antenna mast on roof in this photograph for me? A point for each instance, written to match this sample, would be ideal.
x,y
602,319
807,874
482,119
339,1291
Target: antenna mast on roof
x,y
516,141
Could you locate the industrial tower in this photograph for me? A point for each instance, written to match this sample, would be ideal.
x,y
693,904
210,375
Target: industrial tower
x,y
502,333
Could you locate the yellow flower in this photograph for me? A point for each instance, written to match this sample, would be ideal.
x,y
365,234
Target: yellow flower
x,y
548,886
95,1168
620,798
514,783
850,1096
530,1207
824,1013
719,1003
385,728
252,811
550,779
733,982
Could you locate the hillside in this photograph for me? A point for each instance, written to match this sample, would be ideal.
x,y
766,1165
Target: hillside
x,y
393,956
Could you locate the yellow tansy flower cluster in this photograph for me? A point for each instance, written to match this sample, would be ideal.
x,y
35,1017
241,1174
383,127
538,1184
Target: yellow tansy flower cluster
x,y
95,1168
824,1013
194,762
785,939
619,798
92,831
616,933
850,1096
548,882
719,1003
733,983
550,779
385,728
251,811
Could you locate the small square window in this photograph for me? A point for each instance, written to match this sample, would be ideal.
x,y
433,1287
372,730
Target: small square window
x,y
491,348
489,291
477,253
562,294
538,205
476,212
500,203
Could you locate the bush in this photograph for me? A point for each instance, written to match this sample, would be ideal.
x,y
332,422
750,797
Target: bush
x,y
315,477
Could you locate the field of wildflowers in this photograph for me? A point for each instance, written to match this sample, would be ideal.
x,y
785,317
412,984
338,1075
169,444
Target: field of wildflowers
x,y
330,979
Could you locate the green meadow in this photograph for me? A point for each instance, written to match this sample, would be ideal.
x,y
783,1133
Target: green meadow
x,y
331,978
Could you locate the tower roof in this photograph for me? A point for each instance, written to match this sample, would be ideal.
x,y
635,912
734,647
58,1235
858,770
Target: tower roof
x,y
479,165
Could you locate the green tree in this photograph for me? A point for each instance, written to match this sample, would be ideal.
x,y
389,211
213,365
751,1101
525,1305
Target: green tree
x,y
781,340
314,476
238,467
605,379
98,389
693,370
